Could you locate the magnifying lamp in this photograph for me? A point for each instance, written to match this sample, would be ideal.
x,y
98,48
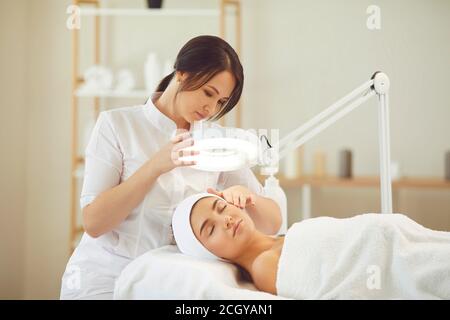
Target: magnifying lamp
x,y
222,148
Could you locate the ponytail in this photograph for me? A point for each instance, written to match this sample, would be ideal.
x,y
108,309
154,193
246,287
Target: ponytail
x,y
165,82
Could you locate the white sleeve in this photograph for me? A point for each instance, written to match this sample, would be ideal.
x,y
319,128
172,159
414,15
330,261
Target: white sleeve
x,y
244,177
103,161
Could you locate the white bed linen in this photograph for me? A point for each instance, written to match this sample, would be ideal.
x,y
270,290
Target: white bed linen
x,y
166,273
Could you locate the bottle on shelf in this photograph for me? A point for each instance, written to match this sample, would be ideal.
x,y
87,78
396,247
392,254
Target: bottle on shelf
x,y
319,164
273,191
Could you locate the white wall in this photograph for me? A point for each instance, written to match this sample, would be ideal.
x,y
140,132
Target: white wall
x,y
49,146
301,56
307,54
13,126
35,134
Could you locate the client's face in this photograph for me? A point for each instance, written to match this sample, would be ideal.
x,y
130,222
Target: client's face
x,y
221,227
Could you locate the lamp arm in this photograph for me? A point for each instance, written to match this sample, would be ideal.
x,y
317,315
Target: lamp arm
x,y
287,146
378,85
293,137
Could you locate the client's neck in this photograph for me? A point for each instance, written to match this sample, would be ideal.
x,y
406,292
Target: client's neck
x,y
257,245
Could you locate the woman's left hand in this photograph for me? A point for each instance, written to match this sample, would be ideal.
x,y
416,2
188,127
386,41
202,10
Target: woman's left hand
x,y
237,195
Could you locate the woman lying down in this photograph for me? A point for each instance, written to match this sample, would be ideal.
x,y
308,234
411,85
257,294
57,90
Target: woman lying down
x,y
369,256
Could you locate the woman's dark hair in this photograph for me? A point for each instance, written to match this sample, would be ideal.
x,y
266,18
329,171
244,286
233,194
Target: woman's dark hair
x,y
202,58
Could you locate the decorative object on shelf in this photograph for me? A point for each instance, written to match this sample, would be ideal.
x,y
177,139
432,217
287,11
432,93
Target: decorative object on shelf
x,y
97,78
345,164
293,164
319,164
154,4
152,72
103,10
447,165
395,170
124,81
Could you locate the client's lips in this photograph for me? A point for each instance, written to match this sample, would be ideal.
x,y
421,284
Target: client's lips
x,y
236,226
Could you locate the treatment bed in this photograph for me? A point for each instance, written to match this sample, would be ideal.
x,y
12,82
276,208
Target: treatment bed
x,y
166,273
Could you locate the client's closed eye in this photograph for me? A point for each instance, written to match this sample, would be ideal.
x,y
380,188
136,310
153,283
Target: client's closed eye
x,y
220,210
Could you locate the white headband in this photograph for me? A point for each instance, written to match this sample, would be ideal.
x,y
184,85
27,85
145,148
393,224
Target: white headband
x,y
184,236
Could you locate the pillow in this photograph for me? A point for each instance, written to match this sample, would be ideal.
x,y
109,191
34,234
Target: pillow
x,y
166,273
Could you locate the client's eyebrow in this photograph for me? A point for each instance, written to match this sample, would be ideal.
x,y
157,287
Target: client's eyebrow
x,y
204,222
214,204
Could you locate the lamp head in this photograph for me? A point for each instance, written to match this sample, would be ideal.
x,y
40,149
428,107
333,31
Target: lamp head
x,y
222,148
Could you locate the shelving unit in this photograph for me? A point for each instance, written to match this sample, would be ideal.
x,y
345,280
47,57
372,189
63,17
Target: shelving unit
x,y
150,12
362,181
92,8
112,94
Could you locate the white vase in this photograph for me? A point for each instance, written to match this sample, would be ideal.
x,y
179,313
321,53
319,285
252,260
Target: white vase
x,y
293,164
152,72
97,77
124,81
395,170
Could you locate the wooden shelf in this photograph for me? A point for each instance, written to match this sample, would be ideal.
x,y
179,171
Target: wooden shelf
x,y
221,12
150,12
363,181
113,94
438,183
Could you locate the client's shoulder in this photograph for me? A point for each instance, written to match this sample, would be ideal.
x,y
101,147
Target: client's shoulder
x,y
264,271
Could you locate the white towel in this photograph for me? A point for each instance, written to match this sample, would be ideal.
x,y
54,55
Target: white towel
x,y
369,256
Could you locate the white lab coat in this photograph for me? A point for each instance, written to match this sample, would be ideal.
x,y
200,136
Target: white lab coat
x,y
122,141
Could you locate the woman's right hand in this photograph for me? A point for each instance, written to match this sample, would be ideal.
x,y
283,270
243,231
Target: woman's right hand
x,y
168,156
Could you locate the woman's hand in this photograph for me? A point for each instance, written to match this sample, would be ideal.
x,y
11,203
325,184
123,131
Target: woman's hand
x,y
265,212
168,156
239,196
